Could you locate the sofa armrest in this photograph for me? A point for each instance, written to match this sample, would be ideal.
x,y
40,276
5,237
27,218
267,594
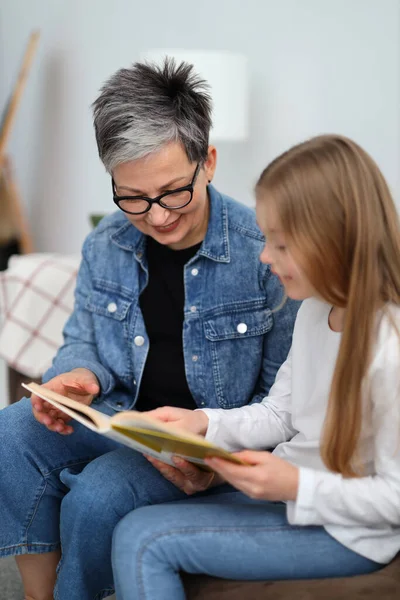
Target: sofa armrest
x,y
15,379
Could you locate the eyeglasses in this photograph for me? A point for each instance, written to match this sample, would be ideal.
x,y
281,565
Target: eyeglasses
x,y
172,200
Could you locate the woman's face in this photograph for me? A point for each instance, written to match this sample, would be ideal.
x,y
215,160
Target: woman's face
x,y
163,171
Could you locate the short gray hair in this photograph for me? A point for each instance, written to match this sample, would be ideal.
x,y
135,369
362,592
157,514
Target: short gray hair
x,y
141,109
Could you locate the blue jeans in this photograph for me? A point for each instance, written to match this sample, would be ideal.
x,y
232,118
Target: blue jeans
x,y
70,490
228,536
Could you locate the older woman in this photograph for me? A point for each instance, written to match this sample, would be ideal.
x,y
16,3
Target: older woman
x,y
172,307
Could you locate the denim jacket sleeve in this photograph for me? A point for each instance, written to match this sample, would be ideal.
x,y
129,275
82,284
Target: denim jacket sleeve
x,y
79,348
278,340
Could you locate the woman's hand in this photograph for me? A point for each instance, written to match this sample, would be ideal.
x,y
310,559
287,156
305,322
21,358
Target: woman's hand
x,y
267,477
186,476
80,385
195,421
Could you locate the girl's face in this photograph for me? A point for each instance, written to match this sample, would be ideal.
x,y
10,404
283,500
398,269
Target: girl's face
x,y
277,254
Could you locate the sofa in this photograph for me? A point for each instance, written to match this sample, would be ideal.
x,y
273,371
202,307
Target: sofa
x,y
381,585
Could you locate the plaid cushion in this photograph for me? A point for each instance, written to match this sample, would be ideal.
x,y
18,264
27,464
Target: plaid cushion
x,y
36,298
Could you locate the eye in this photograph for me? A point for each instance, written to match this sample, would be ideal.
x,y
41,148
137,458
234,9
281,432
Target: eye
x,y
281,248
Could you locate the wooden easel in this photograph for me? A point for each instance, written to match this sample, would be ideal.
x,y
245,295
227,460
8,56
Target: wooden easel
x,y
13,225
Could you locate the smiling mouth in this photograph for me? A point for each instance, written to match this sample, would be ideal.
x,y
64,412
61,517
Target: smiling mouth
x,y
167,228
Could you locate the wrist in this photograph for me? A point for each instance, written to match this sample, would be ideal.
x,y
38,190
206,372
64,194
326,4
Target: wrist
x,y
203,421
293,487
82,370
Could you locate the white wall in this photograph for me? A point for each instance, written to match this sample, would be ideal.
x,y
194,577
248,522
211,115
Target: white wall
x,y
315,66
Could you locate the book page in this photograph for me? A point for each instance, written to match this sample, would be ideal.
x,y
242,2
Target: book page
x,y
136,430
174,442
91,418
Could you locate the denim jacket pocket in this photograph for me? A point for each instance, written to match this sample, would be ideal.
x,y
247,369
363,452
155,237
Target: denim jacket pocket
x,y
238,325
108,304
235,339
112,327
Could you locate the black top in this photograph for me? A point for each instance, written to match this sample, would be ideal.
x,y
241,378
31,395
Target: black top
x,y
162,302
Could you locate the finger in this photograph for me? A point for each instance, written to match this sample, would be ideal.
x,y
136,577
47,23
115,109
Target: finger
x,y
56,425
195,479
45,418
252,457
61,427
161,414
188,469
228,469
160,466
154,461
170,473
39,416
235,480
84,387
39,404
80,384
61,416
53,413
48,420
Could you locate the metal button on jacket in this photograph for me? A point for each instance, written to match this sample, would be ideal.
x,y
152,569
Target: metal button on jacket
x,y
112,307
139,340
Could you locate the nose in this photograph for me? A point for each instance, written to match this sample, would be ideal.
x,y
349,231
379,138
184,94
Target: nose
x,y
157,215
265,256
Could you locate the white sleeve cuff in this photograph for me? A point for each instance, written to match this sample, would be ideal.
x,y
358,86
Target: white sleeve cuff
x,y
214,418
301,511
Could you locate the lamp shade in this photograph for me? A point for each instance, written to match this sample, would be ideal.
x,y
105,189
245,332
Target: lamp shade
x,y
226,74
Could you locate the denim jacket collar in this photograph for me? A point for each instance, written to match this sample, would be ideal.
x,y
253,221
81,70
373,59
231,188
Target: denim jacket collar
x,y
215,245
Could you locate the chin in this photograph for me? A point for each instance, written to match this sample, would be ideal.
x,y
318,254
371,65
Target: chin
x,y
173,238
298,295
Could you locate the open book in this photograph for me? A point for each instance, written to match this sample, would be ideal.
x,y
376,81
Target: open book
x,y
136,430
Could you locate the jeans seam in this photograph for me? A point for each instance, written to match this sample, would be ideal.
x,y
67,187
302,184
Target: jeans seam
x,y
67,465
11,550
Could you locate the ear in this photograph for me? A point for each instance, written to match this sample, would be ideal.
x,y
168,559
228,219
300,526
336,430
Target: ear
x,y
211,163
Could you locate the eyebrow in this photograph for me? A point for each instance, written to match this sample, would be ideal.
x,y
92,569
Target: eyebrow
x,y
162,188
273,230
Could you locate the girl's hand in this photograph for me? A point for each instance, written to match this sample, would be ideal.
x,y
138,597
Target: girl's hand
x,y
80,385
186,476
195,421
267,477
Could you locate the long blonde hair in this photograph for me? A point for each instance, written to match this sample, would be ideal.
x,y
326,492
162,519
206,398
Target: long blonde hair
x,y
336,209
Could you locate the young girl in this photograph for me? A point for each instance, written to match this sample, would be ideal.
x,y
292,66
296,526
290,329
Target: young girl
x,y
326,501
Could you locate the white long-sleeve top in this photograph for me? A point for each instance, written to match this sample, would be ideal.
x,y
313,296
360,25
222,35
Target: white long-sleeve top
x,y
361,513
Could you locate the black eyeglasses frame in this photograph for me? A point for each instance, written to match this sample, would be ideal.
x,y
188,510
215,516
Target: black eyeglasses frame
x,y
158,200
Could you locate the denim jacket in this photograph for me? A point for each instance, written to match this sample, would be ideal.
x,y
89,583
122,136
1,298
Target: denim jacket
x,y
233,343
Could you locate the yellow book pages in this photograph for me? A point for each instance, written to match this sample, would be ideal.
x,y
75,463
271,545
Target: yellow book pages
x,y
187,447
136,430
